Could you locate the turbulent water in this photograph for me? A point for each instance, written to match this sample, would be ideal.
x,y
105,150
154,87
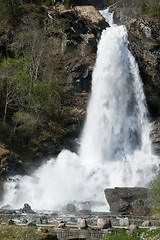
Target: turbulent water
x,y
115,147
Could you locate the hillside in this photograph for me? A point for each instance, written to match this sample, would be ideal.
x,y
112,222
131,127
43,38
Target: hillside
x,y
47,52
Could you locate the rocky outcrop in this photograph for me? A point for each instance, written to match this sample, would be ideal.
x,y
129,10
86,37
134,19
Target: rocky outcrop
x,y
10,164
128,201
155,136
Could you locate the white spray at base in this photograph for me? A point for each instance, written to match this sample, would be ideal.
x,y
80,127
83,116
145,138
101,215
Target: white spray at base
x,y
115,146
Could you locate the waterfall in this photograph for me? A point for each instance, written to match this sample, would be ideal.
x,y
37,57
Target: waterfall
x,y
115,148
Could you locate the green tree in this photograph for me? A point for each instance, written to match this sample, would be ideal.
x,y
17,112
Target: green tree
x,y
154,193
14,82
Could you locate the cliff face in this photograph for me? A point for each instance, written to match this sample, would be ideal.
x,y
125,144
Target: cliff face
x,y
67,41
144,43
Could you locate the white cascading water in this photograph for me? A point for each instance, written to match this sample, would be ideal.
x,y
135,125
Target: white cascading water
x,y
115,146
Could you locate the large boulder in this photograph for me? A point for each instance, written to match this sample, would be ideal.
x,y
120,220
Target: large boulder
x,y
27,209
129,201
104,223
82,223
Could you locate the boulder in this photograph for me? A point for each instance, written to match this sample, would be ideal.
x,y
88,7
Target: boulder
x,y
124,222
27,209
60,224
104,223
70,208
6,207
128,201
43,220
132,227
146,223
48,236
31,224
11,222
82,223
23,220
42,229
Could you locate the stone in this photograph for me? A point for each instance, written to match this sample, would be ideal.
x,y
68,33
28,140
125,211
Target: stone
x,y
23,220
70,208
48,236
31,224
82,223
129,201
6,207
60,224
42,229
124,222
104,223
43,220
11,222
27,209
132,227
146,223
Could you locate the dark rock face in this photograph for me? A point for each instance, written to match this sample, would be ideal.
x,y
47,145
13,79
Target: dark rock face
x,y
155,136
128,201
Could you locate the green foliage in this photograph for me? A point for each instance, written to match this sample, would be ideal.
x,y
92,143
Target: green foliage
x,y
154,193
136,234
151,7
30,88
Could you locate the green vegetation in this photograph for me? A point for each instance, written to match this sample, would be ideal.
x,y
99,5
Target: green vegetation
x,y
136,234
31,86
34,77
151,7
23,232
154,193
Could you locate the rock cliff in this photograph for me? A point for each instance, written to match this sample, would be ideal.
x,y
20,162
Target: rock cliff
x,y
68,44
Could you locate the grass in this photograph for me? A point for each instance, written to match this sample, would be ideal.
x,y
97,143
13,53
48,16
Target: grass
x,y
21,233
136,234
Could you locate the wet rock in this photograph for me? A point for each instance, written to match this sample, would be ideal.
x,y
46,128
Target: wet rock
x,y
27,209
82,223
104,223
129,201
124,222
